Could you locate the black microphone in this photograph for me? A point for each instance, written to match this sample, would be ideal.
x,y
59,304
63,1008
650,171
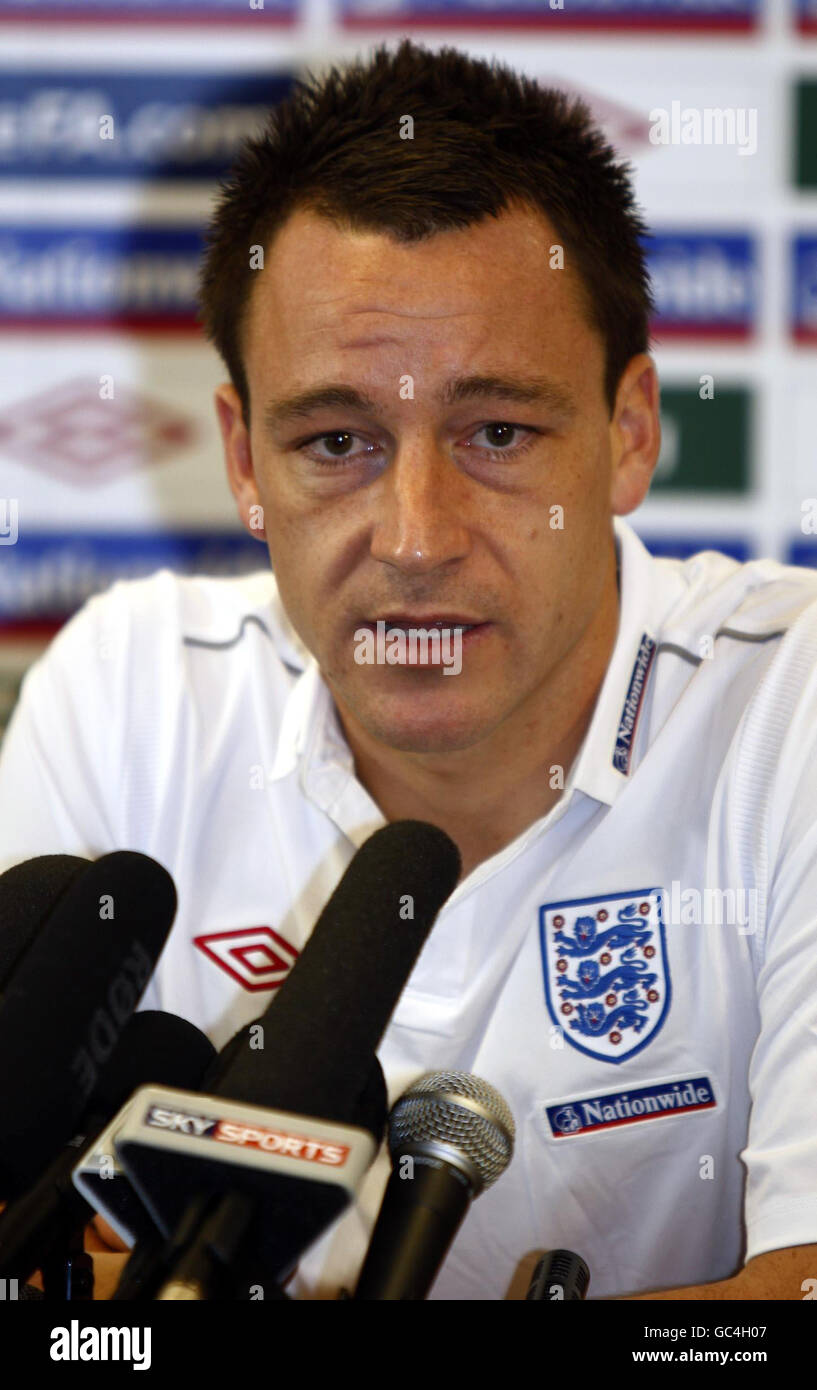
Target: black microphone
x,y
329,1016
37,1224
28,892
451,1135
560,1275
70,988
159,1250
286,1126
175,1053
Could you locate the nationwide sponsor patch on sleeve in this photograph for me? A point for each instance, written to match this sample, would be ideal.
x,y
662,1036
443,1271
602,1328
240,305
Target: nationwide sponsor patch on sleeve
x,y
589,1114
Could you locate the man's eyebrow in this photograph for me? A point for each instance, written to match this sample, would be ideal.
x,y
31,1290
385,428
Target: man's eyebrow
x,y
534,390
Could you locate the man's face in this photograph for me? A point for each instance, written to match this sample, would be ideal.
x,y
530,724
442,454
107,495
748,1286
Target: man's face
x,y
420,505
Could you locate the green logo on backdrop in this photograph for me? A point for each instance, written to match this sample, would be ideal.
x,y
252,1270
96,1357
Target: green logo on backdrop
x,y
805,127
705,444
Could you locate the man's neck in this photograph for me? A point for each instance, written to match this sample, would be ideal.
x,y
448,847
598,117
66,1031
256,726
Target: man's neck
x,y
486,795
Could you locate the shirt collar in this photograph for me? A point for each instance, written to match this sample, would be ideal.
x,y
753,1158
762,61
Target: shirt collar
x,y
311,737
310,728
648,589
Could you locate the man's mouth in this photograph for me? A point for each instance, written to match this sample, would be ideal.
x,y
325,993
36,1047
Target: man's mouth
x,y
425,620
461,630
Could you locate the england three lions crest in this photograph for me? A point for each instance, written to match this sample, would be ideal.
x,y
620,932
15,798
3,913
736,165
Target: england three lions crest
x,y
607,980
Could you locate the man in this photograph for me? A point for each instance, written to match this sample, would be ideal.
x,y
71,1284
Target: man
x,y
441,405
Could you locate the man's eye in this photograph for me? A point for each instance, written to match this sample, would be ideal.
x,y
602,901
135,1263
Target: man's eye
x,y
500,435
339,438
501,429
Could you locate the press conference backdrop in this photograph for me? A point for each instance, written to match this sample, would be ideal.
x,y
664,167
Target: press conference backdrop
x,y
110,461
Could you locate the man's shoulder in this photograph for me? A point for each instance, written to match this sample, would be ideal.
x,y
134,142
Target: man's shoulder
x,y
756,600
750,630
157,617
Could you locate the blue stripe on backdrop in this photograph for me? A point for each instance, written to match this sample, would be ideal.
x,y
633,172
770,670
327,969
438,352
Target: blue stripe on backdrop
x,y
189,10
705,14
172,124
48,575
680,547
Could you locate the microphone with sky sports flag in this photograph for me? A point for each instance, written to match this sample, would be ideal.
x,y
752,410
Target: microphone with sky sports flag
x,y
248,1174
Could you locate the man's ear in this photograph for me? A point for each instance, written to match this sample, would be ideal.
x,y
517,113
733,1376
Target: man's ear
x,y
238,459
635,434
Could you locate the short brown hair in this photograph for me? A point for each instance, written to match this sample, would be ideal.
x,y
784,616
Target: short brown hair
x,y
485,138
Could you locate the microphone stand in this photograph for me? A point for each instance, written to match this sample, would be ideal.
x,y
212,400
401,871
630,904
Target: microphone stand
x,y
212,1260
68,1273
204,1259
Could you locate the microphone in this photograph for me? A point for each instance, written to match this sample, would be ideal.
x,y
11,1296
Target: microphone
x,y
37,1224
292,1127
28,892
184,1265
156,1047
333,1008
451,1135
559,1275
71,986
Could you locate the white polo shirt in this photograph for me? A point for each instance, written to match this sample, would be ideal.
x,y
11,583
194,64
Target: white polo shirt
x,y
660,1061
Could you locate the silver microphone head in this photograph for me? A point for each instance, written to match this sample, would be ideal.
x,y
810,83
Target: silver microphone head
x,y
457,1117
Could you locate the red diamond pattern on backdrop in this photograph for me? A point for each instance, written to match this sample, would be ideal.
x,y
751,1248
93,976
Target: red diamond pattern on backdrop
x,y
626,127
68,431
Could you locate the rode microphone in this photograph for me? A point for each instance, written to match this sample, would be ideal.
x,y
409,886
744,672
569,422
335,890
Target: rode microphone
x,y
28,892
451,1135
560,1275
36,1226
71,986
289,1128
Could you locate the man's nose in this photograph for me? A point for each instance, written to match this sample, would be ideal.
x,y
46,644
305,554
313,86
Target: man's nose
x,y
422,511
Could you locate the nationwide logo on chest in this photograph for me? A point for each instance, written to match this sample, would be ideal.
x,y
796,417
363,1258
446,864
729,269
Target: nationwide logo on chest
x,y
591,1113
607,982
